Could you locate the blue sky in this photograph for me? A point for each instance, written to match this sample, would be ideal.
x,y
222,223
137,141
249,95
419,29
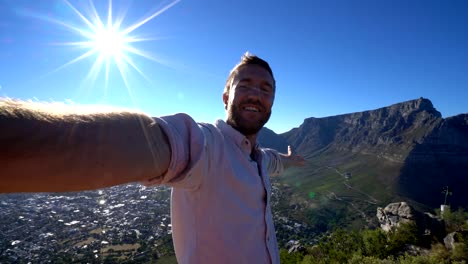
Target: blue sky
x,y
329,57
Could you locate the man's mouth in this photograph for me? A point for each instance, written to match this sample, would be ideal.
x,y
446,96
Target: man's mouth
x,y
251,109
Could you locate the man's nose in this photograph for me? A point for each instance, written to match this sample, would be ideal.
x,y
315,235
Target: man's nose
x,y
256,91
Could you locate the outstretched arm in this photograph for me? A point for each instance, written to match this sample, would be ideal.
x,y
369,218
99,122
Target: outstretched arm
x,y
50,148
291,159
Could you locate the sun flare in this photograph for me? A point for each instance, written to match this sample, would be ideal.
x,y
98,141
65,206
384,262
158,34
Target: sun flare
x,y
107,42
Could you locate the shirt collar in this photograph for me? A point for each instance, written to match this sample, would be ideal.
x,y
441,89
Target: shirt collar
x,y
241,141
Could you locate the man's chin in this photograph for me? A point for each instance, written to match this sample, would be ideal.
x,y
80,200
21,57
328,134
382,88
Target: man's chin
x,y
246,123
252,129
247,131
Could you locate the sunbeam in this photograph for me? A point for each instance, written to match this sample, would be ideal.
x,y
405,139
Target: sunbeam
x,y
105,40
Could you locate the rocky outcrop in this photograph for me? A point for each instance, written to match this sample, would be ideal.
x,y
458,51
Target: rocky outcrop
x,y
295,246
451,240
395,214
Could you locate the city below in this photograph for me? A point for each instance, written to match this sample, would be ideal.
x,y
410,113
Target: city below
x,y
118,224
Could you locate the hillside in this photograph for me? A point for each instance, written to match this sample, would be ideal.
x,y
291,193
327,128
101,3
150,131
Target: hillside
x,y
359,161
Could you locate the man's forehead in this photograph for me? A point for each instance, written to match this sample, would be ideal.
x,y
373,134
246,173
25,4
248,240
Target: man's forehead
x,y
253,72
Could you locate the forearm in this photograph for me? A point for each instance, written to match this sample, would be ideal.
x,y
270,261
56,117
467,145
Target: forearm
x,y
47,151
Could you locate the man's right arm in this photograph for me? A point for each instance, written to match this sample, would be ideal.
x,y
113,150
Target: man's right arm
x,y
44,148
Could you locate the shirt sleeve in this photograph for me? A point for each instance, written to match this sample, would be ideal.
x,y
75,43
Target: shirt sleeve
x,y
272,161
186,140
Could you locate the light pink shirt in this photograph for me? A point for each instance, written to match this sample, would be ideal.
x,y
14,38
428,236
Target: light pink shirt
x,y
220,207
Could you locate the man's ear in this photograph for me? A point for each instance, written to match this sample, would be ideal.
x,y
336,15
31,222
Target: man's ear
x,y
225,99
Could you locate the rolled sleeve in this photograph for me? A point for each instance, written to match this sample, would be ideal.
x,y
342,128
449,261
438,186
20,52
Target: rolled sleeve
x,y
187,142
273,162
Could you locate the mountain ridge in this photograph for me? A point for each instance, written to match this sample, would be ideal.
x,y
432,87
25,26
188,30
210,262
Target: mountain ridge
x,y
403,151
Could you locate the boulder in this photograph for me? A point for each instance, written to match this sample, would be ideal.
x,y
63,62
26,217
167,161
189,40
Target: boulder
x,y
295,246
394,214
428,225
455,237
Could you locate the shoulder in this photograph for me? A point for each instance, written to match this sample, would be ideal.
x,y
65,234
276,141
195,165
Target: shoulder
x,y
183,120
182,126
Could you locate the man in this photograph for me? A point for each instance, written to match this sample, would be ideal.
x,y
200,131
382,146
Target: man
x,y
220,207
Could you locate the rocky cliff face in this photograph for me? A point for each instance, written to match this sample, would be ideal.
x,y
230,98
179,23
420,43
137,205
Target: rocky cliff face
x,y
389,132
425,151
440,159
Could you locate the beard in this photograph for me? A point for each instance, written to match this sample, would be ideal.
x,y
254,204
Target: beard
x,y
246,127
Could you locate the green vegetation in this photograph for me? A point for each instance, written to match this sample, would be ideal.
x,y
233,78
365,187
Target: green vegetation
x,y
341,190
399,246
455,220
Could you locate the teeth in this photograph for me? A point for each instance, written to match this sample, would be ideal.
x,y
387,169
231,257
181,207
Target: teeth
x,y
253,109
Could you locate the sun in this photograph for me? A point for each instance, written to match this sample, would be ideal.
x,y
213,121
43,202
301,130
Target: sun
x,y
107,42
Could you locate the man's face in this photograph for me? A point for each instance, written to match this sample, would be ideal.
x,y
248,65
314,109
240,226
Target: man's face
x,y
250,99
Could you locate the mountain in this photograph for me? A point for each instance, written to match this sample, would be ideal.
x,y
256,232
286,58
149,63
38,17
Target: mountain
x,y
272,140
359,161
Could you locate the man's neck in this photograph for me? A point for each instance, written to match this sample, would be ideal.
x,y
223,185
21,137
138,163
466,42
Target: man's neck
x,y
253,140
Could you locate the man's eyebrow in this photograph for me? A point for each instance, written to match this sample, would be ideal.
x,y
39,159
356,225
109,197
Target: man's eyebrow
x,y
248,80
268,84
245,80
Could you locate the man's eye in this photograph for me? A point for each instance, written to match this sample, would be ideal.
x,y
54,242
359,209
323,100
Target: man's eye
x,y
266,90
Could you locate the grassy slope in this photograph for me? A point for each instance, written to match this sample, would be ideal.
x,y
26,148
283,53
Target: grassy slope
x,y
334,199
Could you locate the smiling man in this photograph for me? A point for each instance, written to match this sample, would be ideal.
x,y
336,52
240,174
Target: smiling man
x,y
248,96
221,211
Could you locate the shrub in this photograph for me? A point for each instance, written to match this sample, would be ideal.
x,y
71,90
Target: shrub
x,y
341,245
407,259
375,243
359,259
439,254
290,258
460,252
455,221
401,236
309,259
